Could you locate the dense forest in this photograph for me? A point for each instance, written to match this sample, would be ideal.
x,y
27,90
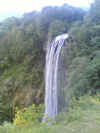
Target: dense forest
x,y
23,43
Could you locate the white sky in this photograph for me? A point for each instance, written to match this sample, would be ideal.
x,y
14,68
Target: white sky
x,y
22,6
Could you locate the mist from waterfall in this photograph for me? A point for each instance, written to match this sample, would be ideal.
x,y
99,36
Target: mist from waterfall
x,y
53,90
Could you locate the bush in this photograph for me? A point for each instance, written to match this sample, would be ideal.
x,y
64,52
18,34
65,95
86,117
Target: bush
x,y
7,128
83,76
85,102
31,114
5,111
78,108
93,73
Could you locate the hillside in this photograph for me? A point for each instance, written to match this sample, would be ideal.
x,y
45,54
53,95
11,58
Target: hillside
x,y
23,43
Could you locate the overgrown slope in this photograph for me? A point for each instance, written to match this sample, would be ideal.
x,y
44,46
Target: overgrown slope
x,y
22,55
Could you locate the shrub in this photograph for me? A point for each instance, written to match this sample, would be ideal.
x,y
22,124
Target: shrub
x,y
31,114
84,102
74,114
78,107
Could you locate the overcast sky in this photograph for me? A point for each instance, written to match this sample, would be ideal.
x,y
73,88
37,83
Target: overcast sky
x,y
22,6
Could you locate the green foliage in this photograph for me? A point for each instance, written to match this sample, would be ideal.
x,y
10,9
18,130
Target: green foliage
x,y
93,73
77,80
31,114
22,55
94,12
56,28
78,109
83,75
82,116
5,111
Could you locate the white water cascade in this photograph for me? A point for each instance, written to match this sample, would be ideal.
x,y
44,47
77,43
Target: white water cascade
x,y
53,93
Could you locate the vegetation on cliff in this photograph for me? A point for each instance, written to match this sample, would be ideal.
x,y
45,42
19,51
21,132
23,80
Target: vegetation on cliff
x,y
22,61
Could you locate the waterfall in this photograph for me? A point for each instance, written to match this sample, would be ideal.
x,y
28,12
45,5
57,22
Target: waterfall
x,y
52,90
